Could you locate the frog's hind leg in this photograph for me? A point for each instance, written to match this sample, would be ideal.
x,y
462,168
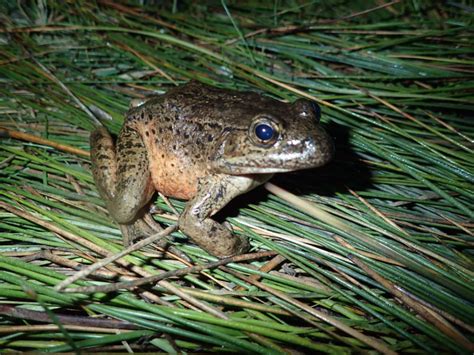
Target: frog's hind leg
x,y
123,179
104,163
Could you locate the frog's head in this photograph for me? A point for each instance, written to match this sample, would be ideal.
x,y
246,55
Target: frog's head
x,y
282,137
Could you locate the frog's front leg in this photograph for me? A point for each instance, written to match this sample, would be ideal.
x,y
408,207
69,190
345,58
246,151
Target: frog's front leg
x,y
214,192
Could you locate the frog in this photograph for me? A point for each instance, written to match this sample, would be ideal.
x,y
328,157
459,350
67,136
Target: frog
x,y
205,145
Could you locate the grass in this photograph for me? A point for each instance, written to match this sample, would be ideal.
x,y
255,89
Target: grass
x,y
374,250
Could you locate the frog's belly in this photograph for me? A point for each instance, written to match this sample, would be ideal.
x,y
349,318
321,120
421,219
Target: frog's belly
x,y
174,178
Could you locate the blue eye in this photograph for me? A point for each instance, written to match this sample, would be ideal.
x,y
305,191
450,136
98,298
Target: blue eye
x,y
264,131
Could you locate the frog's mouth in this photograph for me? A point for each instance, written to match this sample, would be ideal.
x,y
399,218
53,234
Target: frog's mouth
x,y
293,156
235,169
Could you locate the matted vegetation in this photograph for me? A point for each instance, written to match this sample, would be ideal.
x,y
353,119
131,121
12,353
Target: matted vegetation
x,y
373,251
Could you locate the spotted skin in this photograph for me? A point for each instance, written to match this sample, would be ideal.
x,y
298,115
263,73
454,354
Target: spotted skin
x,y
199,143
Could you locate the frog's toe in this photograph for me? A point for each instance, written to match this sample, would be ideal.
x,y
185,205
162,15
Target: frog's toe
x,y
135,231
242,246
141,228
230,246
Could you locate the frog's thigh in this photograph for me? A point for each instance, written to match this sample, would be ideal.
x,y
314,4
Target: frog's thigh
x,y
214,192
133,187
104,169
104,163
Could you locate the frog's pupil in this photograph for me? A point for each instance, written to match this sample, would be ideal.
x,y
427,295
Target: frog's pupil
x,y
264,132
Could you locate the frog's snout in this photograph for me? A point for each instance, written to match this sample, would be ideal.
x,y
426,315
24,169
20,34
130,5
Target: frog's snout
x,y
320,148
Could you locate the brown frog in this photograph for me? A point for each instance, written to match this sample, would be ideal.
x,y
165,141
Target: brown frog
x,y
205,145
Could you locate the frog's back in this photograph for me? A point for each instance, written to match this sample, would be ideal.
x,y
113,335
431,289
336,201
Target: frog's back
x,y
180,130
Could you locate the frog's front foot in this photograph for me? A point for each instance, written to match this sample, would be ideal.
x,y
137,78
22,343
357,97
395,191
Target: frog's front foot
x,y
212,236
214,192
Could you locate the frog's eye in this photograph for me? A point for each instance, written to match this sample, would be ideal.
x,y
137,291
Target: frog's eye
x,y
264,132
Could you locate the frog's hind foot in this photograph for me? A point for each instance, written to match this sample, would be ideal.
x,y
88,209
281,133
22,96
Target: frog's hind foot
x,y
139,229
144,227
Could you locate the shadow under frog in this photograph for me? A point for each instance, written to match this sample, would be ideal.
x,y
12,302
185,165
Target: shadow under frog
x,y
207,146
